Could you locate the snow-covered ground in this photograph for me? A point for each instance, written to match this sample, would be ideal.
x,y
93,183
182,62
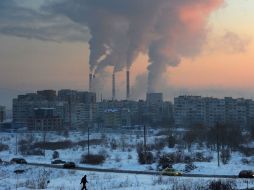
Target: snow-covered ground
x,y
37,178
124,156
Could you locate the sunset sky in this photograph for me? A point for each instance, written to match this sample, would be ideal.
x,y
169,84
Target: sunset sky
x,y
223,67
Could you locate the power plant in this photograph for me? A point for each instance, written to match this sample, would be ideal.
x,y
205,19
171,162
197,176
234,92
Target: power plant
x,y
92,84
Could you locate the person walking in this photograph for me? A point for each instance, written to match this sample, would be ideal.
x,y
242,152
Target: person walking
x,y
84,181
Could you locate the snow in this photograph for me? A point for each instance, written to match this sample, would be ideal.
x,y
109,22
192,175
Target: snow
x,y
70,179
123,157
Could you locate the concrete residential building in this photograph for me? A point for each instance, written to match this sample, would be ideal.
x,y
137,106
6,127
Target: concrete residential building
x,y
189,110
116,117
154,103
2,113
23,107
72,107
250,113
45,119
214,111
78,103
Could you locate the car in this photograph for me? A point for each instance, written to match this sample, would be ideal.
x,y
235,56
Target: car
x,y
58,162
19,171
18,161
170,172
246,174
69,165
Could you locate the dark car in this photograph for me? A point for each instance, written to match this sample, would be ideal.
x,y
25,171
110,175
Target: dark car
x,y
170,172
58,162
246,174
69,165
19,171
18,161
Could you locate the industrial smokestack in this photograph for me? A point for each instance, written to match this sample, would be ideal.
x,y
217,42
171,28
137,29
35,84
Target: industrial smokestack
x,y
113,87
90,82
127,84
93,83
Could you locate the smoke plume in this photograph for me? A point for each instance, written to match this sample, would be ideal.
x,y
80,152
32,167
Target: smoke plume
x,y
165,30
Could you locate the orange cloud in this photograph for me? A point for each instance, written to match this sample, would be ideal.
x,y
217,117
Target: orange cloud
x,y
195,15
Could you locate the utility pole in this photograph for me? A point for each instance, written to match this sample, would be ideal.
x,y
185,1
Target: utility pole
x,y
145,143
217,142
16,152
70,116
88,129
88,141
44,140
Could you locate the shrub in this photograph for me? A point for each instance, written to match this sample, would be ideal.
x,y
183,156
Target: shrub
x,y
225,155
221,185
93,159
38,181
113,144
189,167
145,157
165,161
160,143
66,133
245,161
123,143
53,145
171,142
35,152
85,142
3,147
187,159
200,157
25,147
247,151
55,154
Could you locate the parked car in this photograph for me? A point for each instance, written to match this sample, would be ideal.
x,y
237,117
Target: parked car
x,y
18,161
246,174
170,172
58,162
69,165
19,171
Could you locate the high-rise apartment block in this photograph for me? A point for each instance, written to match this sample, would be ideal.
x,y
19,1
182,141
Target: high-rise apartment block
x,y
190,110
69,109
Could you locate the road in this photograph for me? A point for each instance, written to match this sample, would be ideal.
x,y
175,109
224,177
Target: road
x,y
130,171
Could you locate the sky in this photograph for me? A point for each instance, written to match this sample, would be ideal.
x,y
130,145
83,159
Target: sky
x,y
49,52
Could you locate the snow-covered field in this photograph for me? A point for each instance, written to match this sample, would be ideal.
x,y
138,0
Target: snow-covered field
x,y
122,156
37,178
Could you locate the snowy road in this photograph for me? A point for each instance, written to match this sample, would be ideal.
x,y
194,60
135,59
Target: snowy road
x,y
131,171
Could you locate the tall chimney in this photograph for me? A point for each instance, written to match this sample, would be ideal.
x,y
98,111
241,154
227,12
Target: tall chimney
x,y
93,83
90,82
113,87
127,85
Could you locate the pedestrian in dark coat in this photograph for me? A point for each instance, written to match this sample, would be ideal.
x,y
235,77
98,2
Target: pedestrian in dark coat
x,y
84,181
